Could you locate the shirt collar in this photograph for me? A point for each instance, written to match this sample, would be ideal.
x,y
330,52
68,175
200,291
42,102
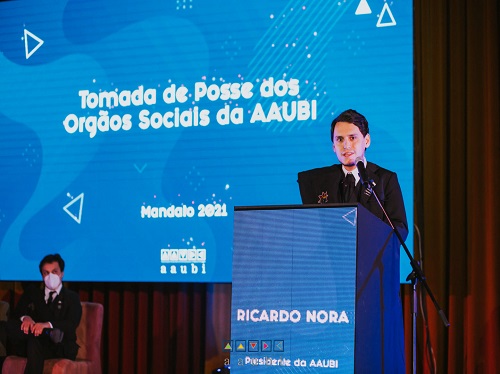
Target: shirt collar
x,y
47,291
355,172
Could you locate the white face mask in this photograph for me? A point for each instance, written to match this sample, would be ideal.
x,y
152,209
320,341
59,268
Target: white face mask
x,y
52,281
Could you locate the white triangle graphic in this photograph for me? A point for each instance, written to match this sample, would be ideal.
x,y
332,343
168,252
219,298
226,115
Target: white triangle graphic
x,y
363,8
26,47
350,217
78,218
387,10
140,169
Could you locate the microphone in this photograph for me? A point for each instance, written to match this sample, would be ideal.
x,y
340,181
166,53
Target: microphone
x,y
363,175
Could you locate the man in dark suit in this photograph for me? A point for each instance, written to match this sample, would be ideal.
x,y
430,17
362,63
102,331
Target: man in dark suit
x,y
44,321
339,183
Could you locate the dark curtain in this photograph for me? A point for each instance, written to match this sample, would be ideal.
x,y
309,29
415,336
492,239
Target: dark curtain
x,y
180,328
456,203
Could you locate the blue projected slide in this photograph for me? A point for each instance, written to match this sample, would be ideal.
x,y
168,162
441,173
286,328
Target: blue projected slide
x,y
129,130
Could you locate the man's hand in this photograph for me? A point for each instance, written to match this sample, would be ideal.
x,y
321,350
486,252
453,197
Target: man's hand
x,y
38,327
27,324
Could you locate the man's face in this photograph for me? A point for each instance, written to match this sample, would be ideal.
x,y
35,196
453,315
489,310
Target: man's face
x,y
52,267
349,144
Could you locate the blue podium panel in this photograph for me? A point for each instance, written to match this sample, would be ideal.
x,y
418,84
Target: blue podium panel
x,y
294,290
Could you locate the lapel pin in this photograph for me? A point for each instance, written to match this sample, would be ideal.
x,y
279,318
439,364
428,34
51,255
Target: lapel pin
x,y
323,198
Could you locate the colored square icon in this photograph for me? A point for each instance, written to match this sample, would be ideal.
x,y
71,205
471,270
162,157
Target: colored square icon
x,y
240,345
227,346
266,345
279,346
253,346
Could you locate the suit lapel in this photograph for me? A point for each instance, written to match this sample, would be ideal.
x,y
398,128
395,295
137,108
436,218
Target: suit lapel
x,y
335,187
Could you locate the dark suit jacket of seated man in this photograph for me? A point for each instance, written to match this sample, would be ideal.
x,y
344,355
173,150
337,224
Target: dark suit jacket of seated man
x,y
350,137
38,324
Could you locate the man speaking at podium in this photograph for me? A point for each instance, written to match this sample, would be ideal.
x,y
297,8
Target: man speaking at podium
x,y
340,183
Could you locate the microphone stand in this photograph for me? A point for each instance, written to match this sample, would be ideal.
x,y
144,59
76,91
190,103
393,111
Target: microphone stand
x,y
415,276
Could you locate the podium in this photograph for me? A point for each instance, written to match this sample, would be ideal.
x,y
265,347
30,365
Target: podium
x,y
315,289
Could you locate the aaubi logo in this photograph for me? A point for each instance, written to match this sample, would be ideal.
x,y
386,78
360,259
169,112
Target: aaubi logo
x,y
183,261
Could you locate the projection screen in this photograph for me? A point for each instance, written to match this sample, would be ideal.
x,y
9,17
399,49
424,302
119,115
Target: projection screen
x,y
129,130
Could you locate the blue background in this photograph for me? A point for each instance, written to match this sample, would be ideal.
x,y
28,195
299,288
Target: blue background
x,y
341,60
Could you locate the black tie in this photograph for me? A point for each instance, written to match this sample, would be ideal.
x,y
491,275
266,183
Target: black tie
x,y
348,187
51,297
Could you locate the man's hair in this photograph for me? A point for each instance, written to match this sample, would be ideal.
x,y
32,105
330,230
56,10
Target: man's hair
x,y
351,116
49,259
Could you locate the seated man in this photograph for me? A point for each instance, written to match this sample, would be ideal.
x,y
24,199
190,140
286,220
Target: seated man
x,y
44,321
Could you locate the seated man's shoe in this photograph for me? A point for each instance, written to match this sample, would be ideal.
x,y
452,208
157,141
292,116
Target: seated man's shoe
x,y
55,335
